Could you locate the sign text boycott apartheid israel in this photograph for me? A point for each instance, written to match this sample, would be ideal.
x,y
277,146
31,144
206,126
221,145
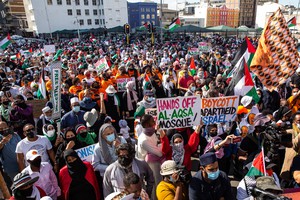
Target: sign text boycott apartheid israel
x,y
220,109
178,112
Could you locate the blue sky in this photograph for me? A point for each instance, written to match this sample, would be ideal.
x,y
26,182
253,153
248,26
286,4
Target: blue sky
x,y
289,2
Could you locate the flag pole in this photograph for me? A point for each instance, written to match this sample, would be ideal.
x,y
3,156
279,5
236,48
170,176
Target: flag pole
x,y
161,25
263,154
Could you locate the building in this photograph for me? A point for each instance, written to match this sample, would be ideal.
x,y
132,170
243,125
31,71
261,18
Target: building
x,y
168,16
194,14
13,16
45,16
217,16
261,2
265,11
141,13
216,3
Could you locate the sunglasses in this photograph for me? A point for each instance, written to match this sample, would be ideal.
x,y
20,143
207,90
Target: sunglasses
x,y
28,130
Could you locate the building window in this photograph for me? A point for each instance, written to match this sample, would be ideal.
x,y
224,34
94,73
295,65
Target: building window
x,y
77,2
59,2
89,22
100,21
153,23
70,12
99,12
94,2
81,22
142,9
101,2
110,19
103,21
102,11
95,12
152,9
147,9
49,2
96,21
148,16
152,16
68,2
143,16
86,2
87,12
78,12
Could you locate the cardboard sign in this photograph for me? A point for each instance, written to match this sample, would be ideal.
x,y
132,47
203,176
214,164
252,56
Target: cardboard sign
x,y
219,109
179,112
121,83
194,51
101,65
86,153
152,112
56,89
49,48
204,46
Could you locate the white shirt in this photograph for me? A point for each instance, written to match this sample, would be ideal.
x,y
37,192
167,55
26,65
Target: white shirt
x,y
47,180
42,144
146,145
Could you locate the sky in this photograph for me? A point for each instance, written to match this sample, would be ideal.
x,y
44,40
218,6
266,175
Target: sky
x,y
289,2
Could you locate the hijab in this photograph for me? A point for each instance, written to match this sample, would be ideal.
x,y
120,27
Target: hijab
x,y
130,89
177,150
77,169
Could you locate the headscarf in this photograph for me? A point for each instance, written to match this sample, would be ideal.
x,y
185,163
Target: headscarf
x,y
77,169
108,158
130,90
177,152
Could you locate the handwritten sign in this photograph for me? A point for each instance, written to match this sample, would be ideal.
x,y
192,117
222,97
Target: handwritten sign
x,y
101,65
194,51
204,46
121,83
49,48
152,112
220,109
56,89
179,112
86,153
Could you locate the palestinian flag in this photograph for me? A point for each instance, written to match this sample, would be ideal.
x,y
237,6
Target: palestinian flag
x,y
175,24
41,93
242,83
193,66
247,52
145,25
292,22
93,39
258,167
5,42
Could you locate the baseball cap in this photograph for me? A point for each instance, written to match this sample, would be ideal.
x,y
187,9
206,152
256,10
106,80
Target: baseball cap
x,y
32,154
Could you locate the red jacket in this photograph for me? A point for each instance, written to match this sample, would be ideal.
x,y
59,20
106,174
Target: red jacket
x,y
189,148
65,181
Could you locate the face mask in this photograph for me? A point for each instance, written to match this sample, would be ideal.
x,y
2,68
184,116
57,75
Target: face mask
x,y
213,175
76,108
298,126
5,103
25,193
124,161
31,134
70,139
193,89
150,99
110,138
36,162
78,84
48,118
178,146
172,180
50,133
213,134
110,94
83,134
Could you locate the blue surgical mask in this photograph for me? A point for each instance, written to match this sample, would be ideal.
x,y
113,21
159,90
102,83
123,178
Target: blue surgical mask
x,y
111,137
110,94
76,108
213,175
193,89
151,99
172,180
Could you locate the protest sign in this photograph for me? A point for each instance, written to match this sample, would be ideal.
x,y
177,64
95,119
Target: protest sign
x,y
86,153
179,112
152,112
204,46
101,65
219,109
194,51
56,89
121,83
49,48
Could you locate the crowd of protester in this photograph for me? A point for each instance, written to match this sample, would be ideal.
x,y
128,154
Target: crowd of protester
x,y
133,158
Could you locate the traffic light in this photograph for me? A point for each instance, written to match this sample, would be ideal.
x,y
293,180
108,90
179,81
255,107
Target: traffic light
x,y
126,28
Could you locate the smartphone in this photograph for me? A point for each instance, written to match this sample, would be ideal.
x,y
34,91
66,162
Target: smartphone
x,y
236,139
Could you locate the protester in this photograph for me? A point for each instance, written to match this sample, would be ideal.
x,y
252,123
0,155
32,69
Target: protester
x,y
73,117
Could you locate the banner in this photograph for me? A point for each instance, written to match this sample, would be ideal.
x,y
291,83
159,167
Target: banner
x,y
194,51
86,153
56,89
204,47
101,65
276,58
219,109
121,83
179,112
49,48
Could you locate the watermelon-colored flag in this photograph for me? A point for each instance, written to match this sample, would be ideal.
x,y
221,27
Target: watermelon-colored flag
x,y
5,42
193,66
175,24
292,22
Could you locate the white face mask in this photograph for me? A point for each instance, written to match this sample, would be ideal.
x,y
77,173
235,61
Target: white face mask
x,y
298,126
50,133
295,93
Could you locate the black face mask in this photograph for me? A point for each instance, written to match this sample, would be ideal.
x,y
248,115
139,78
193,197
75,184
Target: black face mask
x,y
125,161
70,139
84,134
30,134
36,162
23,104
6,132
6,103
25,193
213,134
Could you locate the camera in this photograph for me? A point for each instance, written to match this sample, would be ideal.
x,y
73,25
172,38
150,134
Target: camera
x,y
184,175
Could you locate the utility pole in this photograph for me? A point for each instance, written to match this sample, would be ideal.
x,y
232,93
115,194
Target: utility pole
x,y
161,25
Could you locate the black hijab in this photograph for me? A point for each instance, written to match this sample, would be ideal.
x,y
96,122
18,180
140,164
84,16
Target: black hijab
x,y
77,169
